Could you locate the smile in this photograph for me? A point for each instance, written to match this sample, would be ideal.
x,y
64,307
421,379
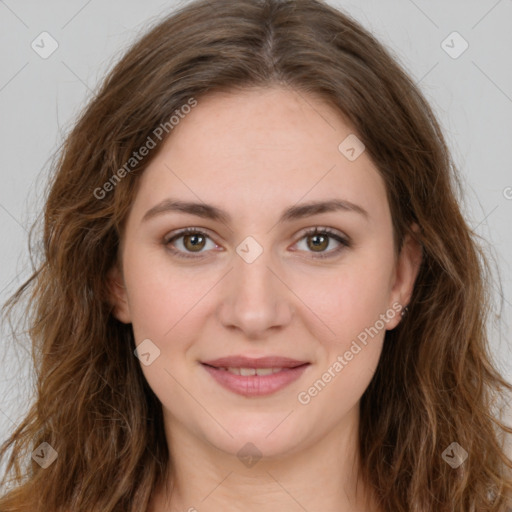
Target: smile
x,y
255,381
252,371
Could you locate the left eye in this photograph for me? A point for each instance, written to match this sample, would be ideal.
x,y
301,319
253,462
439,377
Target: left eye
x,y
318,240
194,240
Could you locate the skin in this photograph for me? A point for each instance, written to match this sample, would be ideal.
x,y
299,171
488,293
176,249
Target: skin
x,y
254,154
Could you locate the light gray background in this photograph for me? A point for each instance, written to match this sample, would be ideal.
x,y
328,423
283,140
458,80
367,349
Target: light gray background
x,y
39,99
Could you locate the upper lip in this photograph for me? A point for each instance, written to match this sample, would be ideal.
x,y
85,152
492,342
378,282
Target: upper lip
x,y
260,362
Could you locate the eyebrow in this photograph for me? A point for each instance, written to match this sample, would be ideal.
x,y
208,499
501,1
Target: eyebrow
x,y
295,212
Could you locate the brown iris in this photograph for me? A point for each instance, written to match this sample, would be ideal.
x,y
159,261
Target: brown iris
x,y
319,243
194,242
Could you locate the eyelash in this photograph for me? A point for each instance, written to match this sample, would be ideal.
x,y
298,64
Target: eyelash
x,y
344,243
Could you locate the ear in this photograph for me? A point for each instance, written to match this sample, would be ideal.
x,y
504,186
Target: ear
x,y
117,295
406,271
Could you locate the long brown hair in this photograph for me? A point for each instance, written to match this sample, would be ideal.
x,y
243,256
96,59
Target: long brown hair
x,y
436,382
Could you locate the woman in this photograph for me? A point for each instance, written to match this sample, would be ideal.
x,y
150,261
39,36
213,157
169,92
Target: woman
x,y
258,291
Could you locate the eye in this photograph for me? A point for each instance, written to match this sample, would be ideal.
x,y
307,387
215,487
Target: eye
x,y
319,239
189,240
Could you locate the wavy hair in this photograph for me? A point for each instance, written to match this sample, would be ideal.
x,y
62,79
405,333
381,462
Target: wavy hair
x,y
436,382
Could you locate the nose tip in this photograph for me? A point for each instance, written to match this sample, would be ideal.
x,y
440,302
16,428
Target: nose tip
x,y
254,300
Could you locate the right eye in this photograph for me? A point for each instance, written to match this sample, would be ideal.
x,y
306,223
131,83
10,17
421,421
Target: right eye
x,y
186,242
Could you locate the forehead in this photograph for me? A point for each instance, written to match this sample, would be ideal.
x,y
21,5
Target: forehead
x,y
261,147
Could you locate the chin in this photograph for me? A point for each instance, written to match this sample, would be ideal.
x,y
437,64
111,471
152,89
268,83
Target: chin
x,y
268,436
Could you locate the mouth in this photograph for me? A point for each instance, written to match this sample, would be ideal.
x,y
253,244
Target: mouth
x,y
255,377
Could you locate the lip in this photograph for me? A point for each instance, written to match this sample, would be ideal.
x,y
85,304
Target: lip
x,y
255,385
251,362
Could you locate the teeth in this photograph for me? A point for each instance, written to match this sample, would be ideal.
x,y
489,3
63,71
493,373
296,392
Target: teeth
x,y
246,372
266,371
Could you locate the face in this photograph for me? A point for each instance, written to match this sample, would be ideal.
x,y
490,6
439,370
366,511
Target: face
x,y
261,272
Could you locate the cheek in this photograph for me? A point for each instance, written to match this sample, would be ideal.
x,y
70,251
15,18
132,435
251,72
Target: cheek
x,y
353,306
359,313
161,296
167,307
344,380
349,299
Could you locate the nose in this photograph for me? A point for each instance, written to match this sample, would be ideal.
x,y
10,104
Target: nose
x,y
255,300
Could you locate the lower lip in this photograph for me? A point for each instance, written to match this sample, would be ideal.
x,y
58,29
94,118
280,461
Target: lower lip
x,y
255,385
